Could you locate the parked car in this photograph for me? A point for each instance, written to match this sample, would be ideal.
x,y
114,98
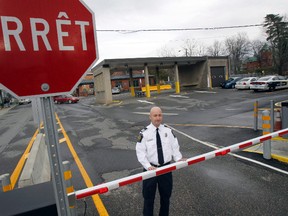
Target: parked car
x,y
24,101
115,90
244,83
269,83
65,99
230,83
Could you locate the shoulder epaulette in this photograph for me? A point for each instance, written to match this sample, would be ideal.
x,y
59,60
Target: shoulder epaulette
x,y
140,136
170,129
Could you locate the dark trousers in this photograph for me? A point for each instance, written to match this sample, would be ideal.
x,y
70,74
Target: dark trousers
x,y
164,183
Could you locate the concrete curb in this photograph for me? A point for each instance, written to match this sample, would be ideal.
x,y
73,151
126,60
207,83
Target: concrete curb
x,y
274,156
37,167
279,149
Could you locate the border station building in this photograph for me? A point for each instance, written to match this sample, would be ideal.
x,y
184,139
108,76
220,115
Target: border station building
x,y
197,72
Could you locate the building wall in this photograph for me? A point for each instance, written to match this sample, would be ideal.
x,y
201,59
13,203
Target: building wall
x,y
217,62
102,85
86,89
124,83
190,75
199,74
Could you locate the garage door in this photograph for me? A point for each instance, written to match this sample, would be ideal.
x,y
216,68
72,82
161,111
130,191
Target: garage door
x,y
217,75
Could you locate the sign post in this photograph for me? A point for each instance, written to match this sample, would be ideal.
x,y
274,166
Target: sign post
x,y
52,142
46,48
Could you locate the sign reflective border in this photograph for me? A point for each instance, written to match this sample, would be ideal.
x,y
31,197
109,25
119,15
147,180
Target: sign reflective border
x,y
46,46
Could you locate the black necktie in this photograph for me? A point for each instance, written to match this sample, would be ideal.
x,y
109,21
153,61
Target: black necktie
x,y
159,148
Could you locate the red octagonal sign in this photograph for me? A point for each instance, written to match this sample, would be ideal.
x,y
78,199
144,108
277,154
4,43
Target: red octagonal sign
x,y
45,46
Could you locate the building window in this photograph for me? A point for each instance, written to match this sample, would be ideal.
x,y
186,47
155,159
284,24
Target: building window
x,y
136,83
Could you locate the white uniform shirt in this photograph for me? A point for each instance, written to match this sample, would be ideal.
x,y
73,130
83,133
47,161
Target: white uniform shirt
x,y
146,147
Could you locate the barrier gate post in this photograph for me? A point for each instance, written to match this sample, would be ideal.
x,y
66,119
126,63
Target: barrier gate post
x,y
284,111
272,116
256,116
266,130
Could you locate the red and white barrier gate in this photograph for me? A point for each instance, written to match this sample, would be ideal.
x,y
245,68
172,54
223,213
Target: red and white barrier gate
x,y
105,187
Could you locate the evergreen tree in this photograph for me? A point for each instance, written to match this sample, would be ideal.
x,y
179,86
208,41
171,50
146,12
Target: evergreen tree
x,y
277,35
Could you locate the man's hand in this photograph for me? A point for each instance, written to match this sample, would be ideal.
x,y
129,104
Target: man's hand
x,y
152,168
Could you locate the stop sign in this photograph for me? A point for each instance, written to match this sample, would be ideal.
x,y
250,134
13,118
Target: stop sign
x,y
45,46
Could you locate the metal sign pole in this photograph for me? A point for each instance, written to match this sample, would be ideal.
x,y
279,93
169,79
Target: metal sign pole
x,y
52,141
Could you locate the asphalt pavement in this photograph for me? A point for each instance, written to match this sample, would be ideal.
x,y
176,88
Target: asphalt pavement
x,y
279,145
3,111
194,201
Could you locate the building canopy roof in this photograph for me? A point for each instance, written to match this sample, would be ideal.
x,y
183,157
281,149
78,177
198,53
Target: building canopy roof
x,y
161,62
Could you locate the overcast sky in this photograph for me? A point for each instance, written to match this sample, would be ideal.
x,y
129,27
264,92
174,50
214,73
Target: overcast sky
x,y
172,14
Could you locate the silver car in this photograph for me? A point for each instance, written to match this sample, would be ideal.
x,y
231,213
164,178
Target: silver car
x,y
244,83
115,90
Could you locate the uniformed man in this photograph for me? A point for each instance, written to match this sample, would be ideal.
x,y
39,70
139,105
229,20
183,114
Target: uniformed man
x,y
157,146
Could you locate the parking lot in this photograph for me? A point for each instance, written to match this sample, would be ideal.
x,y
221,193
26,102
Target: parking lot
x,y
104,139
220,117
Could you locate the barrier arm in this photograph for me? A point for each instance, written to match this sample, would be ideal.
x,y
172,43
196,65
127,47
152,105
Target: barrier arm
x,y
105,187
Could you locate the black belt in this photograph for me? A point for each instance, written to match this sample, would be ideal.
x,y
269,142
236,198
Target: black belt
x,y
154,165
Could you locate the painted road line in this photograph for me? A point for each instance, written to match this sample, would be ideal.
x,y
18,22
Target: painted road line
x,y
203,92
145,101
97,200
62,140
117,102
259,163
192,138
165,114
214,126
231,109
178,96
17,171
214,146
280,139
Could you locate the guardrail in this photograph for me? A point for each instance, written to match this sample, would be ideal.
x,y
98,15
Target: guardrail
x,y
105,187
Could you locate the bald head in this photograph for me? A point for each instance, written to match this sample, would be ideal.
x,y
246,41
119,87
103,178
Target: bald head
x,y
156,116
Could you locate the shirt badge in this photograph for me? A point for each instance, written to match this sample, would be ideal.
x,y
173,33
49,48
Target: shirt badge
x,y
139,138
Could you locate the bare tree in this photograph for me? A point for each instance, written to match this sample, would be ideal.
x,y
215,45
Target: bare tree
x,y
166,52
237,48
193,48
189,48
216,49
257,47
201,50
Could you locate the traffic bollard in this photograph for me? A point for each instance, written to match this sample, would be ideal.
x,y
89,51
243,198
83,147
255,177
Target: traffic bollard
x,y
5,182
69,186
266,130
278,121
